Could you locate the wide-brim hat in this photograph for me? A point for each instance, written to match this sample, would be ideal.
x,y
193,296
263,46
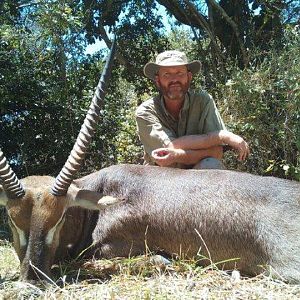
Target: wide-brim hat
x,y
168,59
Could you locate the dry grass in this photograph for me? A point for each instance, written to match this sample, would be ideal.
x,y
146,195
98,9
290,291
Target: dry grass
x,y
139,278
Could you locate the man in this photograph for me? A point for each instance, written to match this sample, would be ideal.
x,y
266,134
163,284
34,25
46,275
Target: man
x,y
178,127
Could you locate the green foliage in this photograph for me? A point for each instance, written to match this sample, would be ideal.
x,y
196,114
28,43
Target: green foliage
x,y
47,82
128,147
44,92
9,13
139,35
262,103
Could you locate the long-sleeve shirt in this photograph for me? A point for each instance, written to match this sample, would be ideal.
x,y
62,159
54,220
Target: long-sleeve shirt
x,y
157,128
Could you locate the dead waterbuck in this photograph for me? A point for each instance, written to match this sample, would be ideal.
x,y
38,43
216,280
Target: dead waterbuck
x,y
218,214
126,210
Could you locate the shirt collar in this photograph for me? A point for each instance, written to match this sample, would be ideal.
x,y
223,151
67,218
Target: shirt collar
x,y
185,107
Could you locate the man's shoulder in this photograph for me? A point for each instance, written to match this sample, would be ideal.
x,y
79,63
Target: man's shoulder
x,y
145,107
200,96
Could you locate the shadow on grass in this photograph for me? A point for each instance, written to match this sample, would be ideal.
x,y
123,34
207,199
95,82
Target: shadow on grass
x,y
102,270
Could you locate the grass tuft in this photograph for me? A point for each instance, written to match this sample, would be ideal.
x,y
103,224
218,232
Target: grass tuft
x,y
144,277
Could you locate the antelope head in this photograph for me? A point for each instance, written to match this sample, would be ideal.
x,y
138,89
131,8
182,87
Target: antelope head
x,y
38,206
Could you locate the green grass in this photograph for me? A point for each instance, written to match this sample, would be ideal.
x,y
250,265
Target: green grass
x,y
138,278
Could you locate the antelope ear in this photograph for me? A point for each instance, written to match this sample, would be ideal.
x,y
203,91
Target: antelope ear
x,y
3,196
89,199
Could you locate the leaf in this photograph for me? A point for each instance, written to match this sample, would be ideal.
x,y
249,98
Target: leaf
x,y
285,167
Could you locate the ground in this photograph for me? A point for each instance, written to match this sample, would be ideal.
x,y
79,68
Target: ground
x,y
138,278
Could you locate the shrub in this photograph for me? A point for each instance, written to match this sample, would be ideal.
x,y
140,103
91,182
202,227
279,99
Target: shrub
x,y
262,103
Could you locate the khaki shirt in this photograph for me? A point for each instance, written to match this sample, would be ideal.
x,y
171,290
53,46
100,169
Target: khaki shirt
x,y
157,128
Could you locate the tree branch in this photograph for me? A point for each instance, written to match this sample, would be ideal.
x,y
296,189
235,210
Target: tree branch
x,y
108,43
234,28
122,60
191,17
177,11
29,4
202,22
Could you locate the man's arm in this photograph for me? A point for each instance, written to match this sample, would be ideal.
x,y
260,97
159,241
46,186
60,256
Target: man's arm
x,y
187,149
167,156
154,136
217,138
152,133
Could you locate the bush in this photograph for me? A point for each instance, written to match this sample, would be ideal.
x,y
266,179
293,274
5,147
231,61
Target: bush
x,y
262,104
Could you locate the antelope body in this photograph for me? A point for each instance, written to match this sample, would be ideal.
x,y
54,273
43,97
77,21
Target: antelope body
x,y
217,214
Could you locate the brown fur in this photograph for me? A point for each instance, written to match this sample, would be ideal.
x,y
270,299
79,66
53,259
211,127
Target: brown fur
x,y
218,214
215,214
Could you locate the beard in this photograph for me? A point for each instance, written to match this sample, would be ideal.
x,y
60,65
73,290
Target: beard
x,y
174,90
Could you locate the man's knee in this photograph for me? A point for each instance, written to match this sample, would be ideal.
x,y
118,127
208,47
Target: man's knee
x,y
209,163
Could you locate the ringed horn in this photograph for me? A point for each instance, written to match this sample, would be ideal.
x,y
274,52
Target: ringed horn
x,y
10,182
76,157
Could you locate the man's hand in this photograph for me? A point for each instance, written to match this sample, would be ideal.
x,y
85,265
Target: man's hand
x,y
236,142
165,157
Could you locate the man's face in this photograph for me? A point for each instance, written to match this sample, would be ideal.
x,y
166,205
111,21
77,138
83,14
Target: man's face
x,y
173,82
